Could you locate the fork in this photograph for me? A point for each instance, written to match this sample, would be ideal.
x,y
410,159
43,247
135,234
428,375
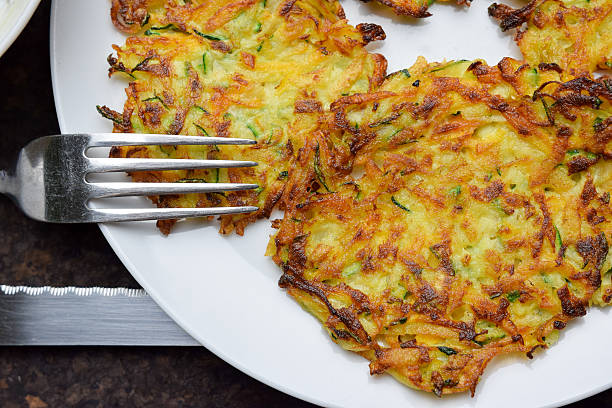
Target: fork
x,y
49,182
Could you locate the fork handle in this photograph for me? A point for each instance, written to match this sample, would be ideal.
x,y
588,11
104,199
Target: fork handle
x,y
5,182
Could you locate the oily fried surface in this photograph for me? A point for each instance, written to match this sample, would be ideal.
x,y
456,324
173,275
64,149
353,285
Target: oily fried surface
x,y
130,15
413,8
574,34
434,218
260,69
458,212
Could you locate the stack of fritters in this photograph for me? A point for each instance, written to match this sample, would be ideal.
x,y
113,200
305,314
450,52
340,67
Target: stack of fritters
x,y
434,218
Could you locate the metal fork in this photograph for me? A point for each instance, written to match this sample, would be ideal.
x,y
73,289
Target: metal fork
x,y
49,180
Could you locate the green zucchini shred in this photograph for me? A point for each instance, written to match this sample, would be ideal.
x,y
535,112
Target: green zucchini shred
x,y
399,205
497,204
587,154
107,116
253,130
598,102
512,296
155,98
455,191
208,36
146,20
550,117
351,269
317,169
201,108
399,321
394,133
447,350
451,64
201,129
558,240
141,63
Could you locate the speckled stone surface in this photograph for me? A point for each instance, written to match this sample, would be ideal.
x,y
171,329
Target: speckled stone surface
x,y
33,253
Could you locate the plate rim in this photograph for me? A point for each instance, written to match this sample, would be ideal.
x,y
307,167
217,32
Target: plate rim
x,y
17,28
133,270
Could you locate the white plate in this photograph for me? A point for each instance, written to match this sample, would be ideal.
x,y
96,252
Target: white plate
x,y
224,292
14,15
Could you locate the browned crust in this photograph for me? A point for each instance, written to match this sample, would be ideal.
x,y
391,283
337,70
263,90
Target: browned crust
x,y
512,18
308,106
371,32
571,305
248,59
226,13
129,15
580,163
344,315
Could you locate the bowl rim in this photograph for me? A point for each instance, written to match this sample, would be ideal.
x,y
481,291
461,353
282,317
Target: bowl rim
x,y
19,23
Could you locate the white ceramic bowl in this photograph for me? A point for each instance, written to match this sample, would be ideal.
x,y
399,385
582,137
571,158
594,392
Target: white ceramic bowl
x,y
14,15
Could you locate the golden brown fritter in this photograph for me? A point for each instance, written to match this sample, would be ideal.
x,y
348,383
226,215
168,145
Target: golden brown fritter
x,y
260,69
458,212
574,34
414,8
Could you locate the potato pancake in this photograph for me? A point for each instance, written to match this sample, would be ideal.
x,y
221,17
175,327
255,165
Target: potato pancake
x,y
574,34
260,69
458,212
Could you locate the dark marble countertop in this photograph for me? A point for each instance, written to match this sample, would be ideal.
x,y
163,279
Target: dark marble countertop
x,y
33,253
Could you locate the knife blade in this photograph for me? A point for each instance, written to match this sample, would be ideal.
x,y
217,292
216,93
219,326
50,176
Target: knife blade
x,y
70,316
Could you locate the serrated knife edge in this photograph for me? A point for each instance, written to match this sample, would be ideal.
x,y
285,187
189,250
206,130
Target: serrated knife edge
x,y
92,316
71,290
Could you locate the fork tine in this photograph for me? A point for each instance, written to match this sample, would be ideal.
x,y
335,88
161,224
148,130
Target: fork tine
x,y
129,164
134,139
115,215
104,190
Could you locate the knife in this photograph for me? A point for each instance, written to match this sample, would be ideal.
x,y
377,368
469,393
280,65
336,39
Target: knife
x,y
71,316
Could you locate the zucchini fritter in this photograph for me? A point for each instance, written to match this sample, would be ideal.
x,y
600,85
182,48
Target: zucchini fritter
x,y
261,69
458,212
574,34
